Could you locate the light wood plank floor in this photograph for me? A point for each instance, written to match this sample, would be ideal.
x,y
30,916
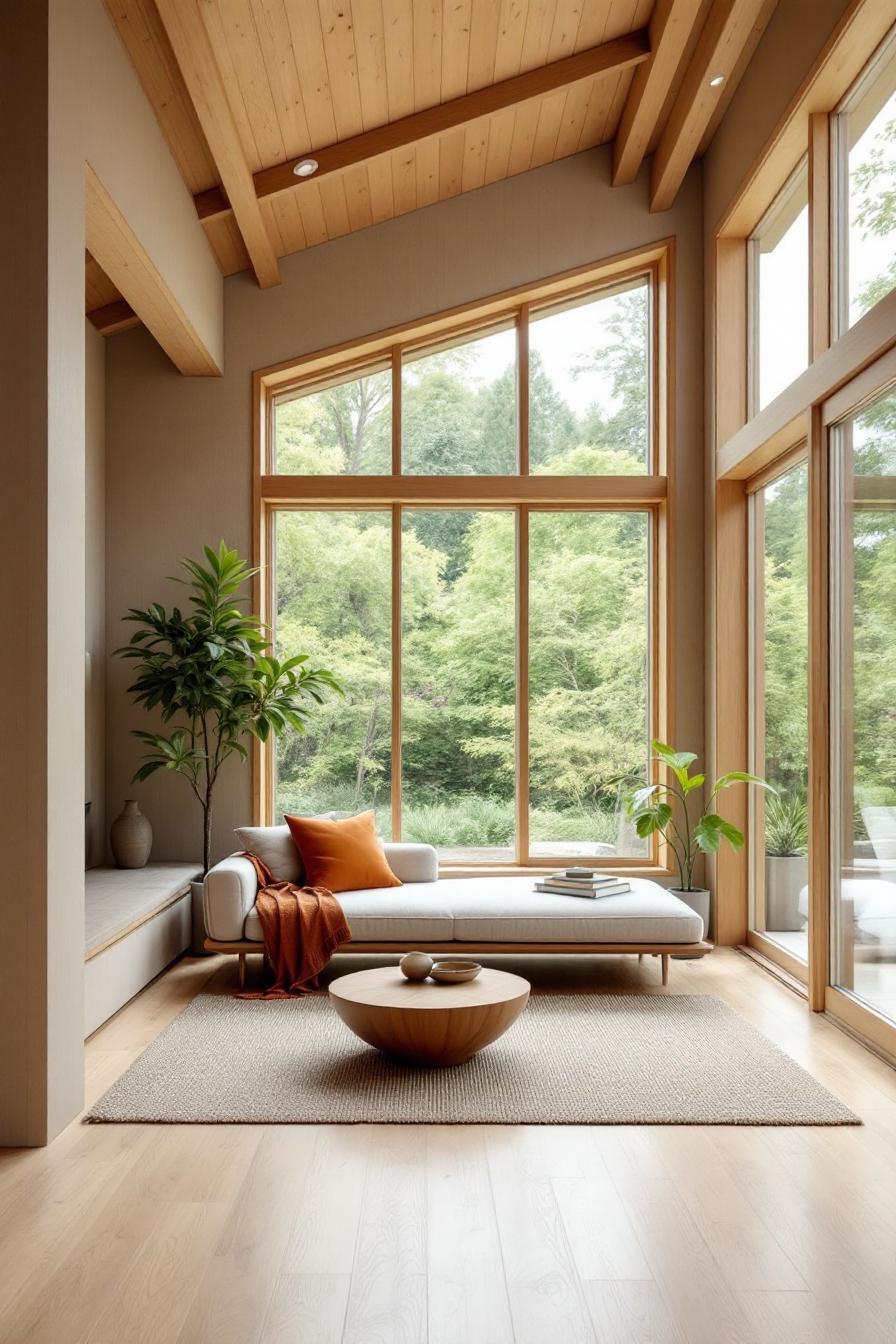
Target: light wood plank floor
x,y
463,1235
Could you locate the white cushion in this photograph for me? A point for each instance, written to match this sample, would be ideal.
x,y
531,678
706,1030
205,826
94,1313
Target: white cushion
x,y
275,847
415,912
508,909
412,863
873,907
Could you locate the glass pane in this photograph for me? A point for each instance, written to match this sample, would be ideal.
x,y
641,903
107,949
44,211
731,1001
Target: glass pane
x,y
781,292
458,409
343,430
334,602
458,680
781,704
588,678
589,386
871,167
864,709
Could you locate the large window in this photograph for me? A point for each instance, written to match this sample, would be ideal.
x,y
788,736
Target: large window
x,y
468,530
863,684
865,158
780,708
779,293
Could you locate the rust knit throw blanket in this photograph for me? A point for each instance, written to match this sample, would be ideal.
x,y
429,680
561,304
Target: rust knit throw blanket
x,y
302,928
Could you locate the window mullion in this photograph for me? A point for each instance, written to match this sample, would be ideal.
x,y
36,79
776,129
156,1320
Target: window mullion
x,y
522,390
522,685
396,679
396,410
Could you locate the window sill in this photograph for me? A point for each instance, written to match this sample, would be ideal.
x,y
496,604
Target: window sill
x,y
624,867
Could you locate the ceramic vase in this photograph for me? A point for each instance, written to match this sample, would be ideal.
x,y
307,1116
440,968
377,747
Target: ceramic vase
x,y
130,837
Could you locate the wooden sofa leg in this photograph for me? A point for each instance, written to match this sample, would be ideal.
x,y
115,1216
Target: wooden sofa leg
x,y
640,957
665,962
243,970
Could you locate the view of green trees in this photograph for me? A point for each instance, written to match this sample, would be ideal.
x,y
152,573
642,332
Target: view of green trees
x,y
588,590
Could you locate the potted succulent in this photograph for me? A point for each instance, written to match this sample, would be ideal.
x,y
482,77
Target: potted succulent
x,y
665,809
786,865
211,675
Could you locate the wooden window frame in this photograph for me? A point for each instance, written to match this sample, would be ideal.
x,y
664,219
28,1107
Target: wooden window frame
x,y
754,299
832,417
521,493
755,936
745,444
839,180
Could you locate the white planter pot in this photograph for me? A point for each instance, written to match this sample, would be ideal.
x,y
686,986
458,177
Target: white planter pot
x,y
197,942
698,900
785,877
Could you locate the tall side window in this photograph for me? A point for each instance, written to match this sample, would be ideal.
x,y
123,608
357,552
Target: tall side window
x,y
450,525
863,708
780,709
865,173
779,293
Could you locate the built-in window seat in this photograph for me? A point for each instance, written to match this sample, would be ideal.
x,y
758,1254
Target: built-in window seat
x,y
136,921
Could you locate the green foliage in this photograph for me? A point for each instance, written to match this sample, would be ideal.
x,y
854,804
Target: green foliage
x,y
786,826
588,605
664,809
212,667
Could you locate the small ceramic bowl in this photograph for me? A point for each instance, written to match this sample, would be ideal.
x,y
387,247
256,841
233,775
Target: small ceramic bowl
x,y
455,972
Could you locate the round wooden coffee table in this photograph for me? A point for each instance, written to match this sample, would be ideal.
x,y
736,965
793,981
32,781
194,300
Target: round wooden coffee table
x,y
426,1023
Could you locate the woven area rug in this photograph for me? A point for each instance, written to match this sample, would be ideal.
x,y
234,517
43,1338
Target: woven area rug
x,y
595,1059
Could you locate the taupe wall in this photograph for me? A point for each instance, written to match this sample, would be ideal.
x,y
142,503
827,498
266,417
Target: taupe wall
x,y
67,95
95,595
179,451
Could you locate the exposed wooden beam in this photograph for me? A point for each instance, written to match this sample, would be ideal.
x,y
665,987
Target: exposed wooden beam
x,y
118,250
670,28
113,317
730,26
193,49
609,57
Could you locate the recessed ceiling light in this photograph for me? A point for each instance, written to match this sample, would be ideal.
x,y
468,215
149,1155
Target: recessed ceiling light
x,y
716,81
305,167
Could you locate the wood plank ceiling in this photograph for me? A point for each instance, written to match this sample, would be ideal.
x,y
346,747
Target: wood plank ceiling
x,y
243,87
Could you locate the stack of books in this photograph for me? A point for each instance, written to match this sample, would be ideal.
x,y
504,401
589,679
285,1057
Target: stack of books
x,y
583,882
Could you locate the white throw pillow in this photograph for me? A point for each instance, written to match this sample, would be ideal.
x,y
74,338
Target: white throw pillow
x,y
275,847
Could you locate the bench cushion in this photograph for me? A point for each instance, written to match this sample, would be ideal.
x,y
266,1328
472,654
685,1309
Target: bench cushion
x,y
508,910
411,913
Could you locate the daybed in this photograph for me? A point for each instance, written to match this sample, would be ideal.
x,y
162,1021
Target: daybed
x,y
484,914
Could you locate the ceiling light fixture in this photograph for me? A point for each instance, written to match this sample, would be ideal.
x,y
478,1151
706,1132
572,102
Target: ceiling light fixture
x,y
305,167
716,81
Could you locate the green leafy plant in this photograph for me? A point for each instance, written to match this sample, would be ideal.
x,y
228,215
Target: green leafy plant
x,y
212,669
665,809
786,826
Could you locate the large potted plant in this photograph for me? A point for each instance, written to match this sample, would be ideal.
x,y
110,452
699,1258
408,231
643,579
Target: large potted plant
x,y
669,809
786,865
210,673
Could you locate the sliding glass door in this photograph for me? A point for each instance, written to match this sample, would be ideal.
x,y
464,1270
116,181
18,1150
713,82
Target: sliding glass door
x,y
863,706
779,718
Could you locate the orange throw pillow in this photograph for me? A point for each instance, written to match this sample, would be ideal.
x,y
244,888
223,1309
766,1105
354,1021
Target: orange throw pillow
x,y
342,855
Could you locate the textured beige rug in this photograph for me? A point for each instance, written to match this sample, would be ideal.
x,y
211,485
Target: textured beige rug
x,y
595,1059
